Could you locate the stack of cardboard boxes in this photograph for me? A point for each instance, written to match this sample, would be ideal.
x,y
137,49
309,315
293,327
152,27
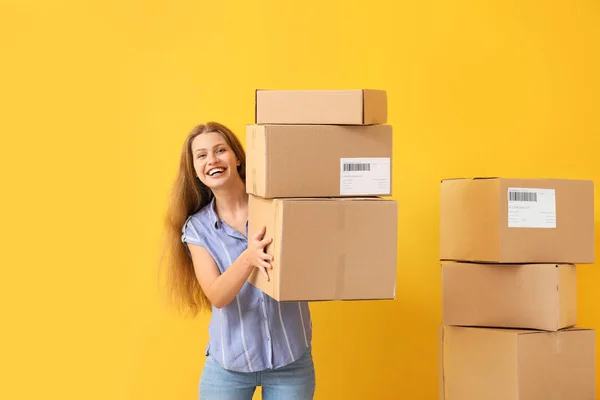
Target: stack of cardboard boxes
x,y
318,166
508,249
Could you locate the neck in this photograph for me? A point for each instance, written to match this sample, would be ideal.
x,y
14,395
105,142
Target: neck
x,y
232,201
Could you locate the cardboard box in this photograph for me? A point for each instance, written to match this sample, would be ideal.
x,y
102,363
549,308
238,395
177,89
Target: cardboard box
x,y
504,364
318,160
322,107
534,296
327,249
517,220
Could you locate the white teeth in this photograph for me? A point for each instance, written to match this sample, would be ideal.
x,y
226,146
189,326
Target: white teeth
x,y
212,172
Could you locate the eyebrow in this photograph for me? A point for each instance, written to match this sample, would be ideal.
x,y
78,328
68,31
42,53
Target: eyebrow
x,y
216,145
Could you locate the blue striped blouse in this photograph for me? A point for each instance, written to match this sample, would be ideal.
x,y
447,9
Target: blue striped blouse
x,y
254,332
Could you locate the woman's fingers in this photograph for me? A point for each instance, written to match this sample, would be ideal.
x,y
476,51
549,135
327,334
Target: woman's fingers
x,y
264,271
259,235
265,242
266,265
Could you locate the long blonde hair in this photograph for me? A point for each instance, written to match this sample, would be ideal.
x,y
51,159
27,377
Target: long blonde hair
x,y
188,196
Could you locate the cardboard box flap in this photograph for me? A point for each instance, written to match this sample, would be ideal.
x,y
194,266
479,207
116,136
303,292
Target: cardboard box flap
x,y
334,199
474,178
483,177
557,365
518,332
570,329
499,329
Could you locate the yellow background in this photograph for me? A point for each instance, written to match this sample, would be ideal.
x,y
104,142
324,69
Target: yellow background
x,y
97,96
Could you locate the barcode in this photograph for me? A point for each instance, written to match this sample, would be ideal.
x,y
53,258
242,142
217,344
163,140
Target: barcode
x,y
522,196
357,167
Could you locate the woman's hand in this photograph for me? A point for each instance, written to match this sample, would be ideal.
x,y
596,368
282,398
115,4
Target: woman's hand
x,y
255,255
221,288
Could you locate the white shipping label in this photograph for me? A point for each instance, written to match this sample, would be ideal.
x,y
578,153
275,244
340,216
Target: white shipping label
x,y
365,176
531,208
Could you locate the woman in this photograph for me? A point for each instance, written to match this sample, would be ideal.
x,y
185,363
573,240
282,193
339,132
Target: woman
x,y
254,340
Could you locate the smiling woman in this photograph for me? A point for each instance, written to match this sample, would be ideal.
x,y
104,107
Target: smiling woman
x,y
215,154
254,339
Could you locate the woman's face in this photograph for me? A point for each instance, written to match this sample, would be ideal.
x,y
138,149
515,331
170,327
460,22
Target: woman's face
x,y
215,162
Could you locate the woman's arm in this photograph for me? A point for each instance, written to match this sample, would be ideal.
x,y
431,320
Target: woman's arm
x,y
221,289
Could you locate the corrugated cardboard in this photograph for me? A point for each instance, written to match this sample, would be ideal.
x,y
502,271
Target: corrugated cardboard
x,y
517,220
504,364
534,296
325,107
327,249
318,160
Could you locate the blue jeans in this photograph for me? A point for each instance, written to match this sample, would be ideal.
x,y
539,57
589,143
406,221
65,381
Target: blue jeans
x,y
295,381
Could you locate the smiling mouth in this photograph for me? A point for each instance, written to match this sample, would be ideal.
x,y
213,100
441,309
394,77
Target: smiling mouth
x,y
215,171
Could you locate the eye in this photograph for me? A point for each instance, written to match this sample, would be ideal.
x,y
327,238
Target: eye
x,y
201,155
220,150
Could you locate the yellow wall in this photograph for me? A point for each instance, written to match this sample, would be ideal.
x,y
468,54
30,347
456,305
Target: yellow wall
x,y
96,98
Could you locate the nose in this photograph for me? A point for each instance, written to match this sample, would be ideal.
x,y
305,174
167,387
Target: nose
x,y
210,158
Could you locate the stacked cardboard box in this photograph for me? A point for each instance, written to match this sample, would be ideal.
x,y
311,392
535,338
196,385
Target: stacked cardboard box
x,y
318,167
508,249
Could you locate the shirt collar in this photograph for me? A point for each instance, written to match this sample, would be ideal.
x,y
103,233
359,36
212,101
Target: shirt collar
x,y
216,221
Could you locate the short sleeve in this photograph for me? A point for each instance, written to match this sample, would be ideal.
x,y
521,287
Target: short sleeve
x,y
190,232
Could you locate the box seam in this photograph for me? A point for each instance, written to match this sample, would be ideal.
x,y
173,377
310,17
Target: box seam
x,y
557,299
256,106
442,377
268,174
363,107
501,231
517,394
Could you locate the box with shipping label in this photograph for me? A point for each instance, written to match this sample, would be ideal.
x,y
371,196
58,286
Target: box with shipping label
x,y
517,220
511,364
323,107
318,160
327,249
530,296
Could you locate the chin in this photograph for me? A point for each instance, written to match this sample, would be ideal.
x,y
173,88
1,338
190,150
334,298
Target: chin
x,y
218,184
